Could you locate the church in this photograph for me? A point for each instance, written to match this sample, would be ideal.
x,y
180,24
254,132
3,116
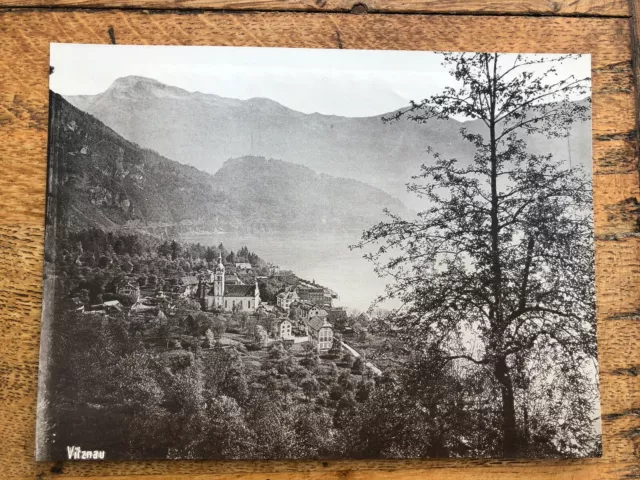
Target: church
x,y
229,296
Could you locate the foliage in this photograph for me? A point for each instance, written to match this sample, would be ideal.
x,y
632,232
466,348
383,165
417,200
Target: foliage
x,y
358,366
219,326
504,252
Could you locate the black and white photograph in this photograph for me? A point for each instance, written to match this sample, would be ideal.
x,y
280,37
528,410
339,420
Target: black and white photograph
x,y
274,253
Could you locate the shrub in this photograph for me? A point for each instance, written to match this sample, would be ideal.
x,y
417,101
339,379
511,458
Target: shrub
x,y
336,392
310,387
347,360
311,362
345,381
364,389
209,339
358,366
276,351
219,326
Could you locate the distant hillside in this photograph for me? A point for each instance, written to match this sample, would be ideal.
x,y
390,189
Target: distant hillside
x,y
205,130
109,182
296,197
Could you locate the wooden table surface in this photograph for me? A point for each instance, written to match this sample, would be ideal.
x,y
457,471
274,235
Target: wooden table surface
x,y
608,29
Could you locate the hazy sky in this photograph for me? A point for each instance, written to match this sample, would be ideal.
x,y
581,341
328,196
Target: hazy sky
x,y
353,83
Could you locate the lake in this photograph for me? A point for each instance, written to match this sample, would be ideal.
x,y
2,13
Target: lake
x,y
323,257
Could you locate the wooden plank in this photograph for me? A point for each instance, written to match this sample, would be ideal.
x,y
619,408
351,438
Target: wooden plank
x,y
24,69
615,8
569,472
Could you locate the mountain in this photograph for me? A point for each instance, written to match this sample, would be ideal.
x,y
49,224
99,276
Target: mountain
x,y
108,182
274,194
205,130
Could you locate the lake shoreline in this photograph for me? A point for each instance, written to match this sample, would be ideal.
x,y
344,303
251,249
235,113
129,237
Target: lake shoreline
x,y
325,259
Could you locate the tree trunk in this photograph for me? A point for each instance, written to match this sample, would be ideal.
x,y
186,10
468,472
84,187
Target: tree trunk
x,y
509,433
495,220
525,422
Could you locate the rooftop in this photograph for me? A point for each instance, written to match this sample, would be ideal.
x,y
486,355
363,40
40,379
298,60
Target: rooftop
x,y
316,323
231,290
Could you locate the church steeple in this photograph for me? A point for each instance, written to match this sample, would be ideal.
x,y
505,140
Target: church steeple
x,y
218,284
220,266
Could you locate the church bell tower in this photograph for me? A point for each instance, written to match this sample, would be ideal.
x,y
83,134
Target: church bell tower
x,y
218,284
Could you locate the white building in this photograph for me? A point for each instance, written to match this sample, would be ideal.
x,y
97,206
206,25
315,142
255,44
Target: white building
x,y
231,297
285,299
284,330
320,332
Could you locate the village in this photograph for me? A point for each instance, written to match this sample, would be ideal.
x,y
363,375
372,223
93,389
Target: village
x,y
222,305
456,225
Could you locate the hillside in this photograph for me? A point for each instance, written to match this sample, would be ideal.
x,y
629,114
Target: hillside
x,y
106,181
274,194
204,130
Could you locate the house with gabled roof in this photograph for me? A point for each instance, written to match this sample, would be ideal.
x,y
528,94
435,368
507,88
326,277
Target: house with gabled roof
x,y
130,290
285,299
189,285
300,310
284,329
75,304
110,306
320,332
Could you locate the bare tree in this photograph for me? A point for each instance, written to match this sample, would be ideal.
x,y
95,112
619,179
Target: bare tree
x,y
499,266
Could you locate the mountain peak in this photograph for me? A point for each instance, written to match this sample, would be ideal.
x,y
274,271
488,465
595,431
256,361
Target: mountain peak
x,y
132,80
133,86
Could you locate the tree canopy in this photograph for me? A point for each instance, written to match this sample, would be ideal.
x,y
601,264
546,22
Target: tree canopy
x,y
497,270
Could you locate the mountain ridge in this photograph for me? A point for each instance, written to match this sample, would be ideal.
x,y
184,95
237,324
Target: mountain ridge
x,y
107,181
205,130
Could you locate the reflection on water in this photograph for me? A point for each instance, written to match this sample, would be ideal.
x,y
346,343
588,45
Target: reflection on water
x,y
323,257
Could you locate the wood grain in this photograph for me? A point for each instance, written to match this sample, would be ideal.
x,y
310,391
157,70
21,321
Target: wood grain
x,y
614,8
24,69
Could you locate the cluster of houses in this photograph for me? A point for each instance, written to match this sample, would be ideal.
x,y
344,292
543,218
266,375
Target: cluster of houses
x,y
107,307
301,311
302,314
305,321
